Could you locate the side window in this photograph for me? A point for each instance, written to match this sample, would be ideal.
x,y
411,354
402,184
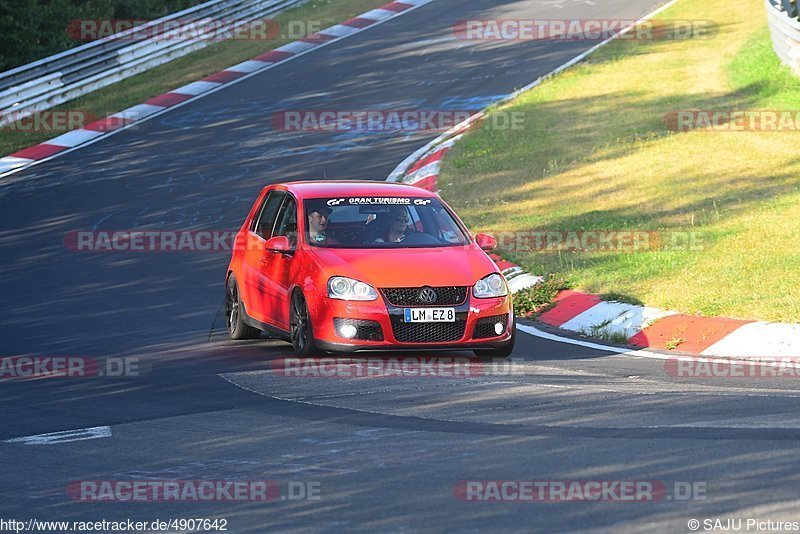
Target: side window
x,y
265,220
287,221
446,227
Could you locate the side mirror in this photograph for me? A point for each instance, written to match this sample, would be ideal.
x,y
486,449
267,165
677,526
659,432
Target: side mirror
x,y
485,241
280,244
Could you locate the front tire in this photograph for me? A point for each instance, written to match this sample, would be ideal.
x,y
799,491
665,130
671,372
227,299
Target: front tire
x,y
234,313
302,335
502,352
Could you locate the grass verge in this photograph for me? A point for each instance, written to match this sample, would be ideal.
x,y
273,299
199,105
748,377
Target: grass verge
x,y
595,153
192,67
537,298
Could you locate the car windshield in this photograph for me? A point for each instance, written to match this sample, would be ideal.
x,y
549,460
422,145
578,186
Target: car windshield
x,y
381,222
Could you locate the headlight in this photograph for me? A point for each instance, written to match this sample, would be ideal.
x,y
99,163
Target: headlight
x,y
343,288
493,285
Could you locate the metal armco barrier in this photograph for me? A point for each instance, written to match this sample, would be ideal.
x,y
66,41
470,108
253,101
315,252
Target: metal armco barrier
x,y
65,76
784,27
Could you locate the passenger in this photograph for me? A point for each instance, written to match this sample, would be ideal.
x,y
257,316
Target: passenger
x,y
318,218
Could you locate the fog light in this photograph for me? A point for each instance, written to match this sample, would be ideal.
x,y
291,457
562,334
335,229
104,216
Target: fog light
x,y
498,328
347,331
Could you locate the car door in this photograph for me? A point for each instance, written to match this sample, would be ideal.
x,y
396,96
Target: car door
x,y
277,267
255,289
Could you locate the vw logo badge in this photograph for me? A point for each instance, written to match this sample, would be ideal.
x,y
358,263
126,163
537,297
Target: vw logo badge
x,y
427,295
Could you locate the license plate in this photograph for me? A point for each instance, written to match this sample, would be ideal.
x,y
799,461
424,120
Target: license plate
x,y
429,315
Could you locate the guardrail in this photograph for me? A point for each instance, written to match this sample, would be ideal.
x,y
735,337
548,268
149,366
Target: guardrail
x,y
784,27
65,76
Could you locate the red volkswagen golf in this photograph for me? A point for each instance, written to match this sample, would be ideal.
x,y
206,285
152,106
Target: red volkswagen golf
x,y
356,266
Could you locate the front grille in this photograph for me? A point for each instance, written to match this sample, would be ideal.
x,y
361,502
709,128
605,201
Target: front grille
x,y
365,330
485,327
427,332
407,296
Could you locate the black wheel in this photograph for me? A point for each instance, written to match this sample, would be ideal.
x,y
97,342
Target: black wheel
x,y
234,314
300,326
502,352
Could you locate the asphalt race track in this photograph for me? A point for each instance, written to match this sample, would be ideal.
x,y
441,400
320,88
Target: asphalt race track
x,y
384,453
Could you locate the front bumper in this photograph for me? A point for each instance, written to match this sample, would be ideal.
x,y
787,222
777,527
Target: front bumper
x,y
397,335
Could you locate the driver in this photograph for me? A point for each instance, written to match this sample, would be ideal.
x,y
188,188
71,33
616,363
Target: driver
x,y
318,217
397,226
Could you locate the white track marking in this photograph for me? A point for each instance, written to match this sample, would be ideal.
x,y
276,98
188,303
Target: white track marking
x,y
67,436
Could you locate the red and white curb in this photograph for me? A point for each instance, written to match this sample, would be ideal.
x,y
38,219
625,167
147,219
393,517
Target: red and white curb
x,y
94,131
647,327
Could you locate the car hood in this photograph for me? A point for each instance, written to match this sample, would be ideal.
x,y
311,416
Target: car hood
x,y
409,267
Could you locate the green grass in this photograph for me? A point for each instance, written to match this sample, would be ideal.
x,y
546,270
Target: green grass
x,y
189,68
595,154
536,298
603,333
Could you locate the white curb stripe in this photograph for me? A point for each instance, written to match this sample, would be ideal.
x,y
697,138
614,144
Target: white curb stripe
x,y
137,112
619,318
636,319
602,312
431,169
759,339
340,30
8,163
377,14
444,140
297,47
451,142
523,282
74,138
195,88
248,66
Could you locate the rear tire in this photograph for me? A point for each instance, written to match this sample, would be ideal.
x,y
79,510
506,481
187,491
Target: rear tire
x,y
302,335
501,352
234,313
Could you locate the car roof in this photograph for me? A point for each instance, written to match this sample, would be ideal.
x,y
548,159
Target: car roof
x,y
355,188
